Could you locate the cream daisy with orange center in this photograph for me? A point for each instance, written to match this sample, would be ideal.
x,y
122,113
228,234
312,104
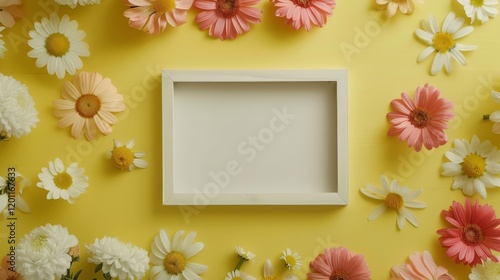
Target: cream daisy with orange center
x,y
124,158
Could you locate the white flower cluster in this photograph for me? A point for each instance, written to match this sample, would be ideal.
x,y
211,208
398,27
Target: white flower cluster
x,y
121,260
17,108
43,253
73,3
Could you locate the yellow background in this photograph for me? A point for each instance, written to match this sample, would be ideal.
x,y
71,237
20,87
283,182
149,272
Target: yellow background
x,y
381,60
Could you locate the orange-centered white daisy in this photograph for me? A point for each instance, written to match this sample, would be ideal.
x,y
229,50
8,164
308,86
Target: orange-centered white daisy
x,y
124,158
58,44
88,104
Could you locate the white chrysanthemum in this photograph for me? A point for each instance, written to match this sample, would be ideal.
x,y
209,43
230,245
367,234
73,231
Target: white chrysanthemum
x,y
118,259
292,260
495,116
247,256
58,44
170,260
2,43
482,9
63,183
16,189
488,270
17,108
238,275
473,165
443,41
123,157
394,197
43,253
73,3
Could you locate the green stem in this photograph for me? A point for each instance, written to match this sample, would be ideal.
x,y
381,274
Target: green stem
x,y
239,264
486,117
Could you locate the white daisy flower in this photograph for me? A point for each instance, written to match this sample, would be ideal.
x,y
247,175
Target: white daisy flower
x,y
488,270
17,108
170,259
43,253
2,43
396,198
58,45
238,275
63,183
123,157
473,165
495,116
443,41
292,260
247,256
73,3
124,261
482,9
20,184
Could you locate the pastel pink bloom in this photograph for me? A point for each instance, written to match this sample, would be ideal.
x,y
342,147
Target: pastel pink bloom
x,y
421,122
304,13
420,267
227,18
9,12
152,16
6,272
339,263
474,234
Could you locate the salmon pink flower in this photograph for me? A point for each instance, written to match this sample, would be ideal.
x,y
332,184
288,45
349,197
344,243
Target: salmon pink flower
x,y
152,16
339,263
226,19
421,122
9,11
474,234
304,13
420,266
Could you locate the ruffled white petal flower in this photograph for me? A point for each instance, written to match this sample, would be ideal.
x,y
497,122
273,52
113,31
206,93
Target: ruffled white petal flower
x,y
58,44
65,183
17,108
74,3
473,166
480,9
43,253
488,270
292,260
123,157
120,260
443,41
170,259
394,197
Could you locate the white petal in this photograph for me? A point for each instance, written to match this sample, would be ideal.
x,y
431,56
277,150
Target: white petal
x,y
377,212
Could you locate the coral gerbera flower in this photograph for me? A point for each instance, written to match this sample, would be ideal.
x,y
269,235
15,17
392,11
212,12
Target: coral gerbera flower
x,y
152,16
396,198
406,7
339,263
227,18
9,11
420,266
170,260
87,105
474,232
421,122
473,165
58,44
443,41
123,157
304,13
483,9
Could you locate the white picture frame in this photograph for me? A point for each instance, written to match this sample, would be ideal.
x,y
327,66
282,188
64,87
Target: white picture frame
x,y
255,137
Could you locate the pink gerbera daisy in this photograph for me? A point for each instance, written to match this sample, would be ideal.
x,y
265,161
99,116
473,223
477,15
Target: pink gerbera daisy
x,y
227,18
87,105
339,263
474,234
305,13
421,121
9,11
152,16
421,267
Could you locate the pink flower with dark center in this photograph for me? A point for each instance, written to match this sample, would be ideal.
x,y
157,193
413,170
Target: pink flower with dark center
x,y
474,234
421,122
337,264
227,18
304,13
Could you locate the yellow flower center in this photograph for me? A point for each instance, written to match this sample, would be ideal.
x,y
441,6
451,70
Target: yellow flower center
x,y
38,242
393,201
477,3
63,180
164,6
339,275
227,8
174,263
473,166
88,105
419,117
57,44
122,157
443,42
472,234
290,261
